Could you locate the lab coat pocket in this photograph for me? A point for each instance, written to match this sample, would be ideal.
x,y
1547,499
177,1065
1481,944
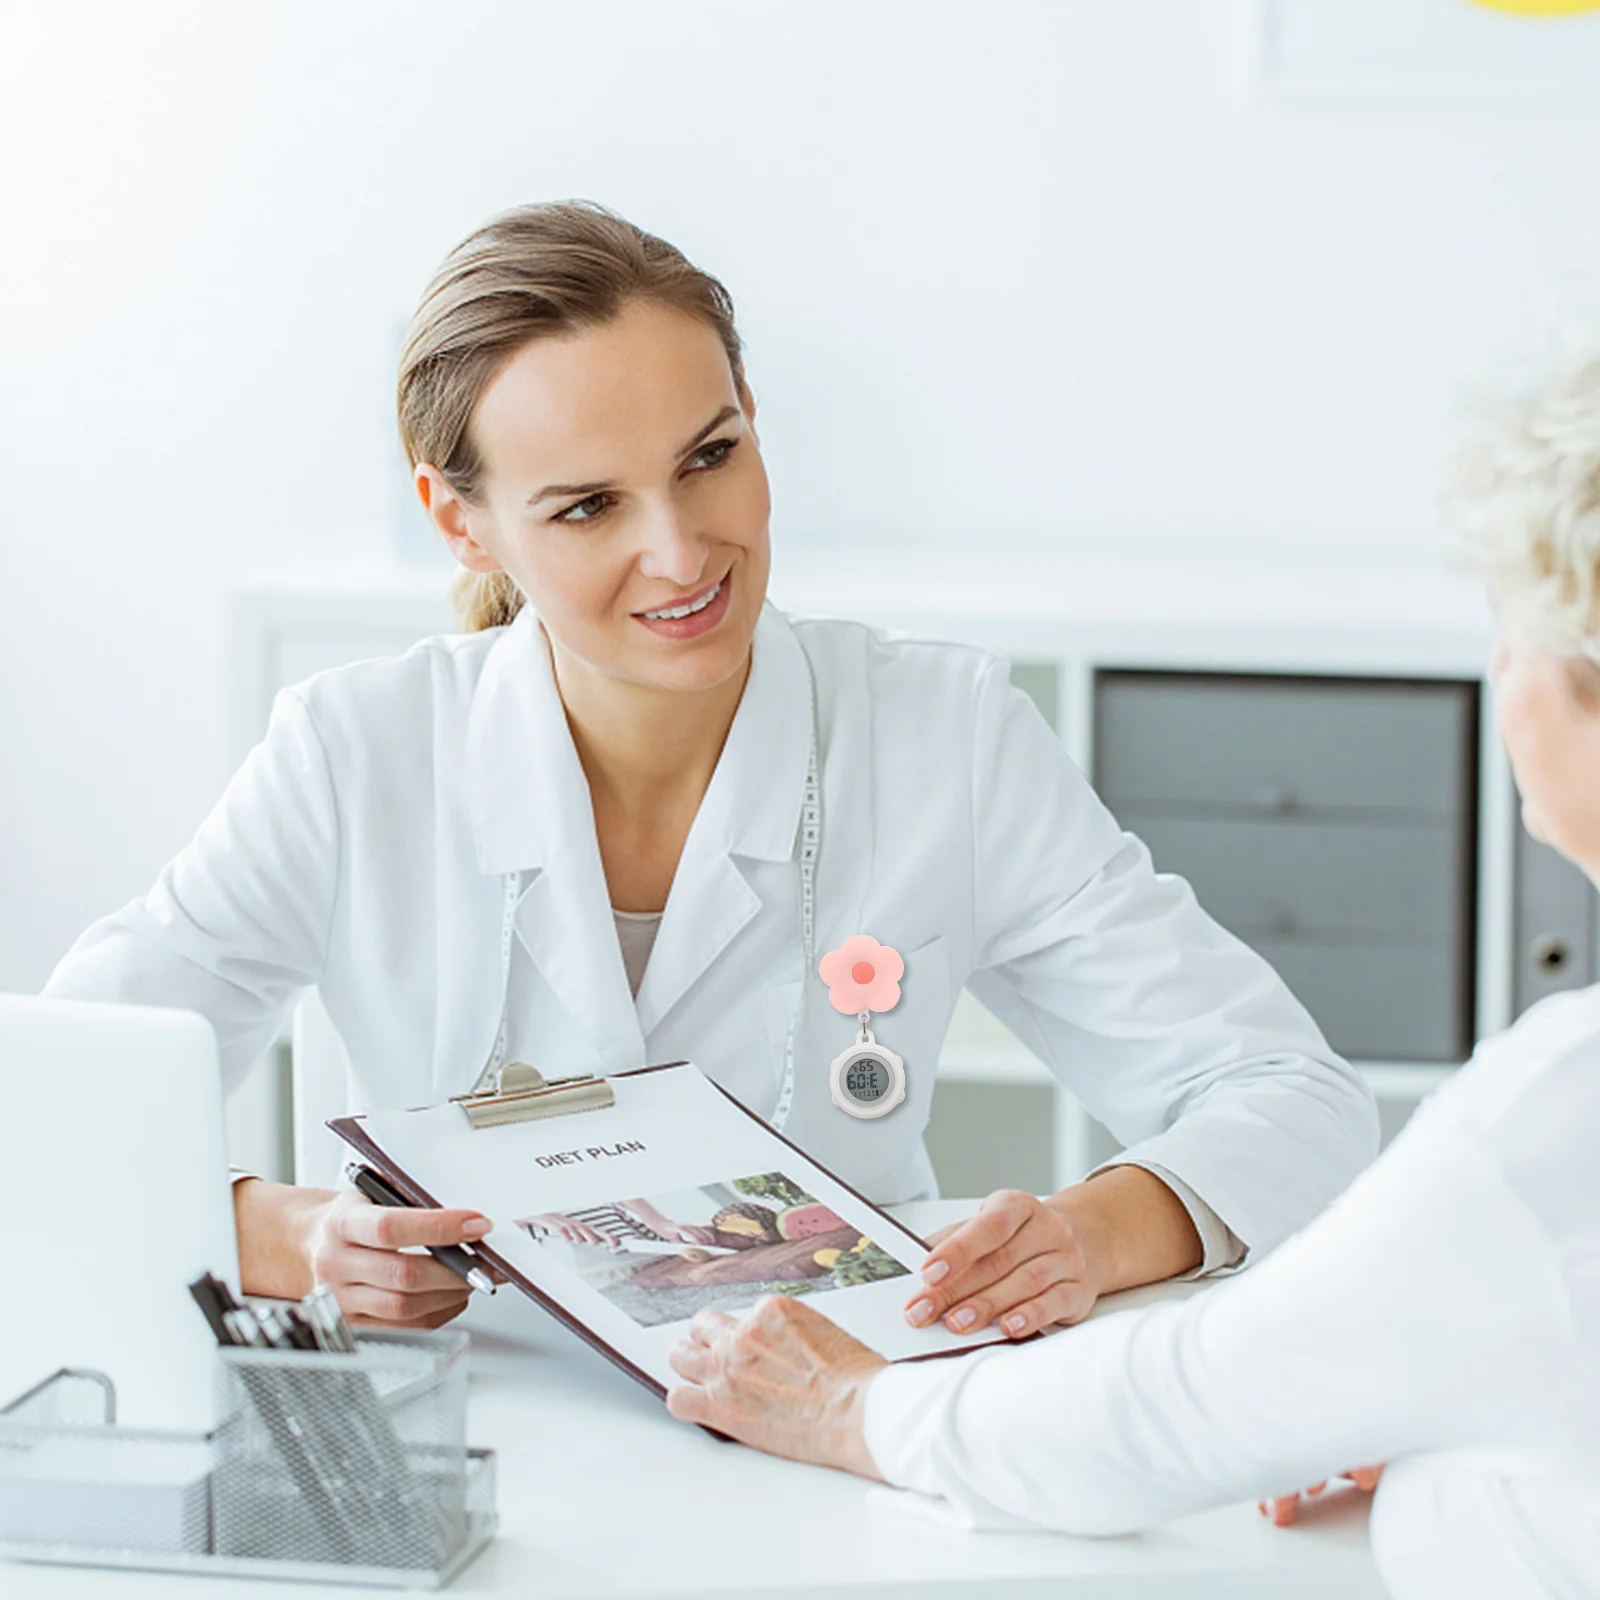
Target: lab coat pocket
x,y
925,984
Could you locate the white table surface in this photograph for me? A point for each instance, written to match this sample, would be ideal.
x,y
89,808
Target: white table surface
x,y
603,1496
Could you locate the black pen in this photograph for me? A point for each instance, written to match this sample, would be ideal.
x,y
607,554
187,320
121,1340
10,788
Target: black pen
x,y
381,1192
216,1301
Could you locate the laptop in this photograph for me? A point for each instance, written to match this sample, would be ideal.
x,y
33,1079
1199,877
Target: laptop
x,y
114,1195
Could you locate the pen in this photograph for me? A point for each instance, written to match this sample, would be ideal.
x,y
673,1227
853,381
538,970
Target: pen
x,y
322,1314
216,1301
274,1325
381,1192
301,1335
244,1329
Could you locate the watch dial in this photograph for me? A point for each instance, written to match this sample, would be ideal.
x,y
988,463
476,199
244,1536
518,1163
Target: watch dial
x,y
867,1079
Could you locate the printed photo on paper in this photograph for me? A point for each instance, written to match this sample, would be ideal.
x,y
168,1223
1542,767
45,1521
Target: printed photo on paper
x,y
632,1218
661,1258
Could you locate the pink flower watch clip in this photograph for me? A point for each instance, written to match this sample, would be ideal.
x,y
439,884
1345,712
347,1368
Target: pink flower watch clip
x,y
864,976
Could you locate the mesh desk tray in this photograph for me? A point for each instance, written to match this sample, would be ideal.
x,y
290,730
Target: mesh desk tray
x,y
338,1468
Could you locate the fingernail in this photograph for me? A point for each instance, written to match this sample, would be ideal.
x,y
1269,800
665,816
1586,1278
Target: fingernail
x,y
1261,1506
920,1312
1016,1324
475,1227
935,1271
964,1318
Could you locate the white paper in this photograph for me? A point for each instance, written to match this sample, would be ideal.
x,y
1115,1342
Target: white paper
x,y
760,1218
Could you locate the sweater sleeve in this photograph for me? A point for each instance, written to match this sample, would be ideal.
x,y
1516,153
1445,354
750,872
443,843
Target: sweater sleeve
x,y
238,922
1426,1310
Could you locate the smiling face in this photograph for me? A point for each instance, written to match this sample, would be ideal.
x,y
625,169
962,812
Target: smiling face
x,y
1550,722
622,479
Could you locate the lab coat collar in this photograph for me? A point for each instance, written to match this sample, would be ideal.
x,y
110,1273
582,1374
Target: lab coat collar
x,y
752,806
531,812
527,788
528,792
532,815
751,810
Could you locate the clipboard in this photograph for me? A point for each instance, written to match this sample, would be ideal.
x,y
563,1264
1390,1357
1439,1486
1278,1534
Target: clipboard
x,y
524,1097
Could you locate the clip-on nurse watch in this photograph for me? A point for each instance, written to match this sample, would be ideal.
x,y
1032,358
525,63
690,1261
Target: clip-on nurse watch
x,y
863,976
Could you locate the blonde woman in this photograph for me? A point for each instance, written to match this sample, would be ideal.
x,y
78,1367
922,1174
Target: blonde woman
x,y
620,818
1442,1316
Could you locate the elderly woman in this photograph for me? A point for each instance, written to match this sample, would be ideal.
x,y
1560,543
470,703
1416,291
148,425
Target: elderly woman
x,y
1443,1315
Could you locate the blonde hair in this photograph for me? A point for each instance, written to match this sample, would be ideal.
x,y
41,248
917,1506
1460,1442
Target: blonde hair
x,y
537,272
1524,498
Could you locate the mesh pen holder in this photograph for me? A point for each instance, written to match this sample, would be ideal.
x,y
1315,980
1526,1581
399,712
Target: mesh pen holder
x,y
354,1460
342,1468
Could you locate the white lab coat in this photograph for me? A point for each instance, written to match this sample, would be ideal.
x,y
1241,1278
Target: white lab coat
x,y
1442,1316
363,848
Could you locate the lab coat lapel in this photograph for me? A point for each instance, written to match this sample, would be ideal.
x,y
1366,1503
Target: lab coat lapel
x,y
751,811
532,814
564,921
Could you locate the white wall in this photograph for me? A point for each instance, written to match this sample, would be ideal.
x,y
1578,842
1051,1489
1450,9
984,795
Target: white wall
x,y
1030,270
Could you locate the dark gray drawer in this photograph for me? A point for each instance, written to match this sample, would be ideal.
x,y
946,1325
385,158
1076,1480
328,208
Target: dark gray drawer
x,y
1330,822
1280,745
1374,1003
1288,876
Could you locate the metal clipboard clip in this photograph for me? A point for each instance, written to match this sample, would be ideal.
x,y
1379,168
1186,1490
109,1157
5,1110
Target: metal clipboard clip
x,y
523,1094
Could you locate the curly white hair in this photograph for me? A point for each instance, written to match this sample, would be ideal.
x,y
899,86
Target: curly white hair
x,y
1524,498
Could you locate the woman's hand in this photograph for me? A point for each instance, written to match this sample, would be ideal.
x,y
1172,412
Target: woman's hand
x,y
568,1228
687,1233
355,1248
664,1227
1286,1507
1019,1262
782,1378
1026,1263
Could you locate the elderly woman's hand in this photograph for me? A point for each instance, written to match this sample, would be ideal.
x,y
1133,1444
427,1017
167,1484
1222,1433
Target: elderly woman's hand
x,y
782,1378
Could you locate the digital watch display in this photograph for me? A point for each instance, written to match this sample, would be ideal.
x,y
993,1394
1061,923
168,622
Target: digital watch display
x,y
868,1080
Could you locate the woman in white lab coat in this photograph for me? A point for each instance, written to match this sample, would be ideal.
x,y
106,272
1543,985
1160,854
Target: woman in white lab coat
x,y
1443,1315
579,833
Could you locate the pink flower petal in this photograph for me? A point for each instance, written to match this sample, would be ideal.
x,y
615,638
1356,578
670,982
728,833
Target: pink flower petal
x,y
834,968
884,995
851,993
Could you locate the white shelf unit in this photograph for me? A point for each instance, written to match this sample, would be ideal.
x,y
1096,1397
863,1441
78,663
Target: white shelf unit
x,y
1045,611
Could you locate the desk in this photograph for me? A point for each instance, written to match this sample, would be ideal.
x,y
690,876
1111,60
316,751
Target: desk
x,y
604,1497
